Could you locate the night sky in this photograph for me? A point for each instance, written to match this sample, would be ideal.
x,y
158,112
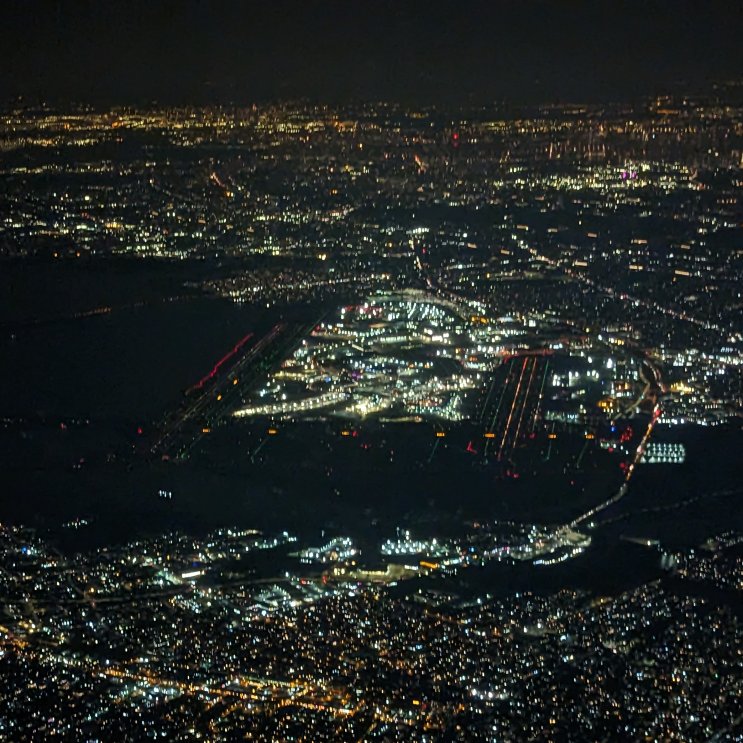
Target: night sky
x,y
415,52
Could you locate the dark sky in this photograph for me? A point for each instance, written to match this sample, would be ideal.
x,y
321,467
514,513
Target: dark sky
x,y
199,50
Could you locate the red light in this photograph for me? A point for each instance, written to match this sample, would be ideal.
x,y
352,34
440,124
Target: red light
x,y
219,363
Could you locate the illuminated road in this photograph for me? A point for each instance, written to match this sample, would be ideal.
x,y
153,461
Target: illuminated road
x,y
637,301
517,410
510,412
628,475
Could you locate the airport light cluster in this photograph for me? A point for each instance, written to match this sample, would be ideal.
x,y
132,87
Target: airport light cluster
x,y
396,354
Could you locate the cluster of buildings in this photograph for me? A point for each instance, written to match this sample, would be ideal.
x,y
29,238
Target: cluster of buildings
x,y
412,355
94,646
402,355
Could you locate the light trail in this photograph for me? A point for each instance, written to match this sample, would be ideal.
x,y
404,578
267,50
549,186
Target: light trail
x,y
500,402
539,399
523,405
628,475
221,363
513,405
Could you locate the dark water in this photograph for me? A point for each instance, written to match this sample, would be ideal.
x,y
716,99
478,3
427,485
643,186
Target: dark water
x,y
73,392
682,505
131,363
608,566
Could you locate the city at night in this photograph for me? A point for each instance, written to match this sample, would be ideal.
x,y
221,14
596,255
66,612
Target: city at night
x,y
371,371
